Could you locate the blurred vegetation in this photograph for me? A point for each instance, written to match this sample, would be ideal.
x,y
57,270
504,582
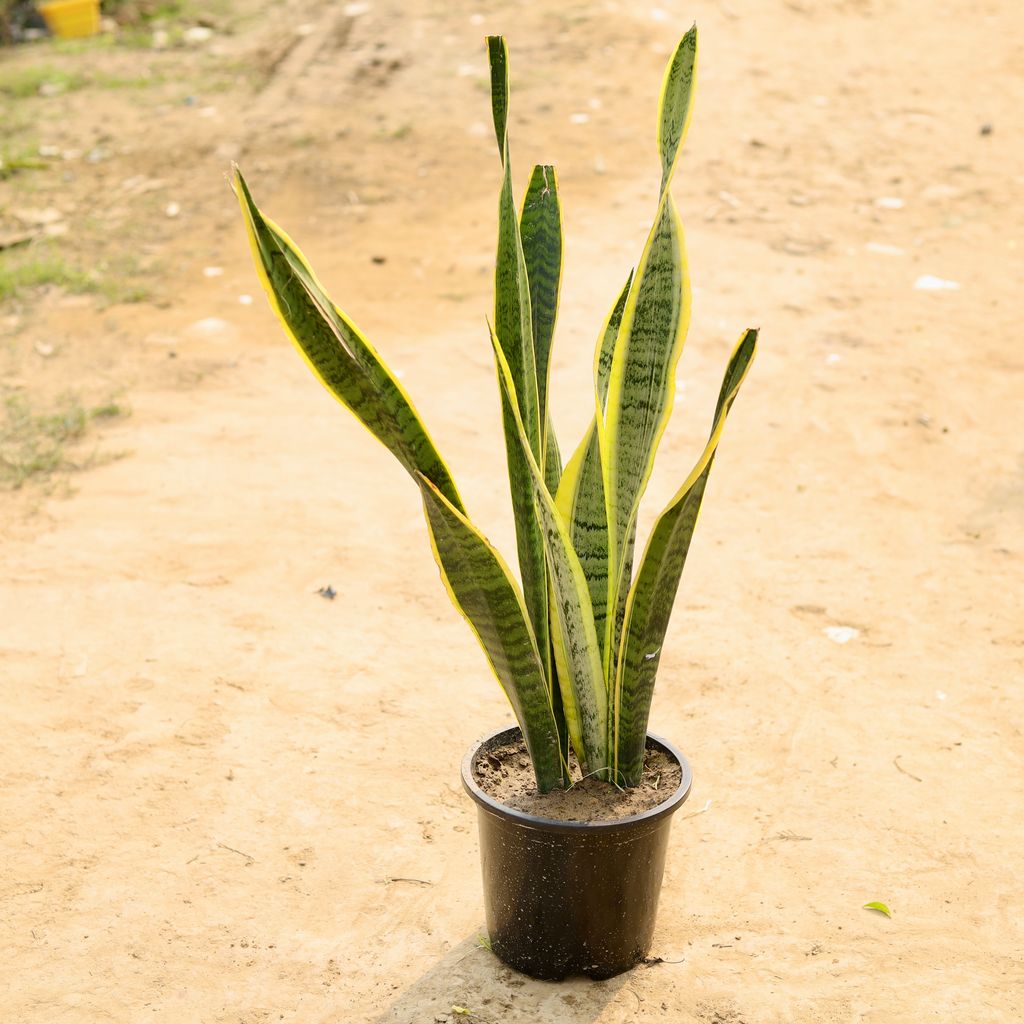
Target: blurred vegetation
x,y
36,445
26,268
19,83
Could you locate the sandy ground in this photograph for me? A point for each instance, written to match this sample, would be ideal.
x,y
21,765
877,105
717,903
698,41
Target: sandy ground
x,y
215,785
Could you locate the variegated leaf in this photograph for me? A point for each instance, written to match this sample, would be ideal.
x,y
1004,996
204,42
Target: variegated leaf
x,y
580,495
641,383
513,325
540,227
580,677
652,595
337,353
552,463
482,589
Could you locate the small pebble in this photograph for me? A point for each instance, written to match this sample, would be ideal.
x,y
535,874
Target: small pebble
x,y
841,634
882,249
931,283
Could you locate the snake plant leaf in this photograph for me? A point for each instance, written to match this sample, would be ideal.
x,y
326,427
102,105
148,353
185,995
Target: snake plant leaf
x,y
513,316
580,495
337,353
580,501
555,687
605,350
513,325
529,537
641,383
540,227
579,672
552,463
651,597
497,58
676,105
484,592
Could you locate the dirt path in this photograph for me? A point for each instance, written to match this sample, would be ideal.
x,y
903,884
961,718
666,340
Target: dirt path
x,y
226,799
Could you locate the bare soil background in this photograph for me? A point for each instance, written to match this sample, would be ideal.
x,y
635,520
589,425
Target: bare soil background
x,y
224,798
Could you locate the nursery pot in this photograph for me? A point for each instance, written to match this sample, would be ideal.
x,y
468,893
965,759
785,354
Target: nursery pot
x,y
566,897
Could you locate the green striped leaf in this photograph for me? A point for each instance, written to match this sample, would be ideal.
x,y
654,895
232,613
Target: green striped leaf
x,y
513,316
482,589
513,325
497,57
652,595
581,681
540,226
529,537
580,501
552,476
641,383
605,350
580,495
676,104
552,463
337,353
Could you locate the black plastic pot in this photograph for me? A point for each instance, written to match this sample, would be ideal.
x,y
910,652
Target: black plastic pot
x,y
566,897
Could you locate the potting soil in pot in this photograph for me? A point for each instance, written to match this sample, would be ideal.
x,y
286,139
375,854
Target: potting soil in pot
x,y
504,773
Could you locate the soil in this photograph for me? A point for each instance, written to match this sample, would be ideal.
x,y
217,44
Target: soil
x,y
504,773
226,798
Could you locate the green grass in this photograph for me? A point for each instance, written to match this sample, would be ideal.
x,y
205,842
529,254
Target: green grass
x,y
118,291
143,81
22,158
24,270
22,83
35,446
142,11
403,131
19,83
19,274
87,44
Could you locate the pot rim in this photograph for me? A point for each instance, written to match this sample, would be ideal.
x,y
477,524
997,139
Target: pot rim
x,y
668,806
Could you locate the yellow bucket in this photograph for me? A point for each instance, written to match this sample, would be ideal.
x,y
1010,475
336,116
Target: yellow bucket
x,y
71,19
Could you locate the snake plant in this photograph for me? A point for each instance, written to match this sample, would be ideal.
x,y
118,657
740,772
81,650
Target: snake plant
x,y
576,645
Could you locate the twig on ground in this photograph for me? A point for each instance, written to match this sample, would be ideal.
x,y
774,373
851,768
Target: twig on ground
x,y
899,768
248,857
653,961
695,813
